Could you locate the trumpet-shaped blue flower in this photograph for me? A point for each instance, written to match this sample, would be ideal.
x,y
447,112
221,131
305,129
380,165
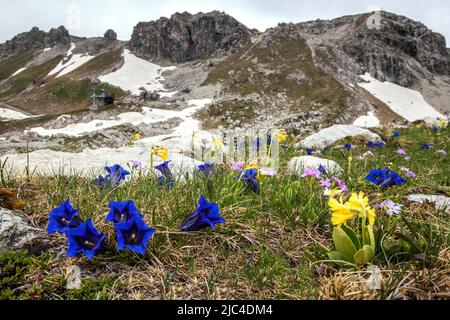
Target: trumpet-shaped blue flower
x,y
250,180
84,239
166,181
323,170
396,134
348,146
164,169
63,217
373,145
207,168
309,151
206,215
122,211
385,178
133,234
426,146
115,175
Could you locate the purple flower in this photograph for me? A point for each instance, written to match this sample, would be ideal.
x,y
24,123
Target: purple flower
x,y
266,171
442,152
135,164
401,152
410,175
237,166
312,173
325,183
390,207
369,154
407,158
341,184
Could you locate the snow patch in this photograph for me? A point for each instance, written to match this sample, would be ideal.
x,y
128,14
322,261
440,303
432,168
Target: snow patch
x,y
47,49
92,161
70,63
147,116
331,135
9,114
407,103
18,71
368,121
136,73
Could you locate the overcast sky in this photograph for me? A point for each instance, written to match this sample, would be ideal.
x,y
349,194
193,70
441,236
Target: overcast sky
x,y
93,18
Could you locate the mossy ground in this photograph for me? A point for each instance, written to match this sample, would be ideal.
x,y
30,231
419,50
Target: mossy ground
x,y
270,248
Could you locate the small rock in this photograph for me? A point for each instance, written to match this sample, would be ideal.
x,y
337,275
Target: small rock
x,y
441,202
73,278
298,164
329,136
16,232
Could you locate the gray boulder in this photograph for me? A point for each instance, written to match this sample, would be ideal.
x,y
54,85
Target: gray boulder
x,y
16,232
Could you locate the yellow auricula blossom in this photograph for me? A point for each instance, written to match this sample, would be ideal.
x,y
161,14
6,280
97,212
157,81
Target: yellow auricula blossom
x,y
332,192
442,123
360,203
162,152
281,135
218,142
341,213
137,136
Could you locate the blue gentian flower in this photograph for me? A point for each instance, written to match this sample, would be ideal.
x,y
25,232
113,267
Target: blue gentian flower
x,y
250,180
115,175
309,151
207,168
348,146
206,215
84,239
133,234
435,129
122,211
396,134
373,145
166,181
385,178
63,217
323,170
164,169
426,146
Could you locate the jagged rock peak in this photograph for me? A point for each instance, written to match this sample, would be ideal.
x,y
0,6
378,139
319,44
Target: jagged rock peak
x,y
34,39
187,37
110,35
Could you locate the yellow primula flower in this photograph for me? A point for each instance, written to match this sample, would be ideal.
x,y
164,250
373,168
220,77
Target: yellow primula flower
x,y
281,135
360,203
341,213
442,123
162,152
218,142
332,192
137,136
